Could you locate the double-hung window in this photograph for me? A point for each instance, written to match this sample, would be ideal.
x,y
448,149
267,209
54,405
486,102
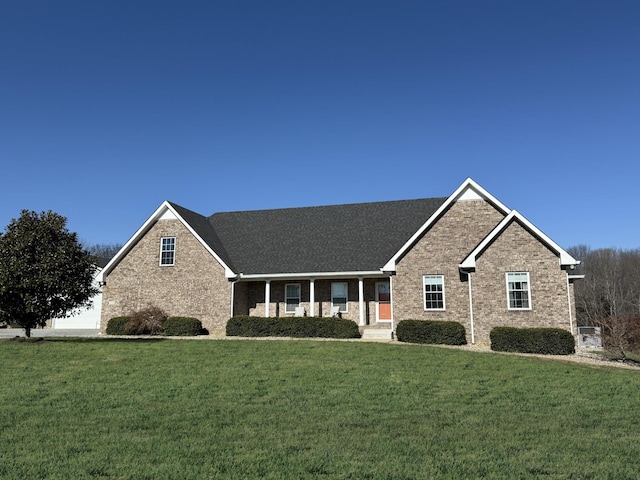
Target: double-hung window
x,y
518,291
433,292
291,297
167,250
339,295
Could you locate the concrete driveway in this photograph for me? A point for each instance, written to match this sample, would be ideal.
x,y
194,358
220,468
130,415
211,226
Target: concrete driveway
x,y
49,332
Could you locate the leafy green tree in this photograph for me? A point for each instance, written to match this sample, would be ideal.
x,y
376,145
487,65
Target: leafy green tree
x,y
44,271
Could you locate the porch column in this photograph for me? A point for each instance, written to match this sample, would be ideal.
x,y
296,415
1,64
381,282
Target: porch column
x,y
361,300
391,301
312,298
267,297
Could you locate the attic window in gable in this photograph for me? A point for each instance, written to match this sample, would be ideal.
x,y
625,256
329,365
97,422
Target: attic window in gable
x,y
167,251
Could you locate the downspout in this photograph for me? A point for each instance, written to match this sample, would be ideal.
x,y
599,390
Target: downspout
x,y
569,303
473,333
233,293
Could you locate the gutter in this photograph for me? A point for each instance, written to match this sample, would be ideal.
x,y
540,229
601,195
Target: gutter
x,y
306,275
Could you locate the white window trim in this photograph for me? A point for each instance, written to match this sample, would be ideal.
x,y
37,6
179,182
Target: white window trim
x,y
346,302
299,297
509,307
173,257
424,294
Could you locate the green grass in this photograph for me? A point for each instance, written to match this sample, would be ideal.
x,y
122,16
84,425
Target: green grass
x,y
183,409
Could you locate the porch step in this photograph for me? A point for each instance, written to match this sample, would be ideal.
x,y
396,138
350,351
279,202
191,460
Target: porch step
x,y
377,334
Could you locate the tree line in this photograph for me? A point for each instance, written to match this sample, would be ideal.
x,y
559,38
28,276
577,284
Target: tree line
x,y
609,294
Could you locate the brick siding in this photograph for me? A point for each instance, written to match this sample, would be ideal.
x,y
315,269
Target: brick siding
x,y
516,250
195,286
441,250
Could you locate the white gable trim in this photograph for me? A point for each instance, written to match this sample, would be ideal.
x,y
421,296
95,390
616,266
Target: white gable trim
x,y
469,190
163,212
469,263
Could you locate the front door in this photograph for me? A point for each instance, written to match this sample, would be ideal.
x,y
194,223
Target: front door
x,y
383,302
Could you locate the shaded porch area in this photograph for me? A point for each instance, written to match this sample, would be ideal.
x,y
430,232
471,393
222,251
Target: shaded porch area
x,y
364,300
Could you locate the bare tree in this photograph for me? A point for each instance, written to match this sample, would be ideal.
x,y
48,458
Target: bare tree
x,y
104,252
609,295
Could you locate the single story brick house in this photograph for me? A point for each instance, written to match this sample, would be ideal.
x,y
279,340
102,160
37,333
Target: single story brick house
x,y
465,258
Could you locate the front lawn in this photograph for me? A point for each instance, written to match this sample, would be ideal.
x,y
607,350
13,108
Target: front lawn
x,y
196,409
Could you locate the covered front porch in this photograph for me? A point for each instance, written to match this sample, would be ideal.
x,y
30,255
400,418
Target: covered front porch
x,y
366,300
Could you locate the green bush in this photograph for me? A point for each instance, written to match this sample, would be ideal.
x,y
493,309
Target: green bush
x,y
431,331
118,326
548,341
182,326
298,327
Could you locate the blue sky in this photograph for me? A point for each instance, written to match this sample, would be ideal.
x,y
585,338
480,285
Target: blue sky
x,y
107,108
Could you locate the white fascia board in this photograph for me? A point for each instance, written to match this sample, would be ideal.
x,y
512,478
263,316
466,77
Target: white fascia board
x,y
146,226
136,236
469,263
469,188
309,275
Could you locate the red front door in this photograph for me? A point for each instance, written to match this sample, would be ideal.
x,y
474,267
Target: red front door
x,y
383,301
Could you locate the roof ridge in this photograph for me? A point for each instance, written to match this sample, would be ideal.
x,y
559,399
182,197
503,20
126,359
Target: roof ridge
x,y
310,207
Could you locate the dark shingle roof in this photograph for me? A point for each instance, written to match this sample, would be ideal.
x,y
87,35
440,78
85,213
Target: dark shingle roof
x,y
337,238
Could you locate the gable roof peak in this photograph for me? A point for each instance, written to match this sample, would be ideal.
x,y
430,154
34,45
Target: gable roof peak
x,y
471,190
197,225
565,259
468,190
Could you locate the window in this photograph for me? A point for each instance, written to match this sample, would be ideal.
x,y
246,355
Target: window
x,y
433,292
339,295
291,297
518,292
167,250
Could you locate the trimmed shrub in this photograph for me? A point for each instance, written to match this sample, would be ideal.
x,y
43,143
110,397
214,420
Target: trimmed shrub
x,y
182,326
118,326
547,341
297,327
148,321
434,332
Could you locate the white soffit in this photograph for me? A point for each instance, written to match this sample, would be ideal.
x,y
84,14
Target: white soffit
x,y
468,195
168,215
